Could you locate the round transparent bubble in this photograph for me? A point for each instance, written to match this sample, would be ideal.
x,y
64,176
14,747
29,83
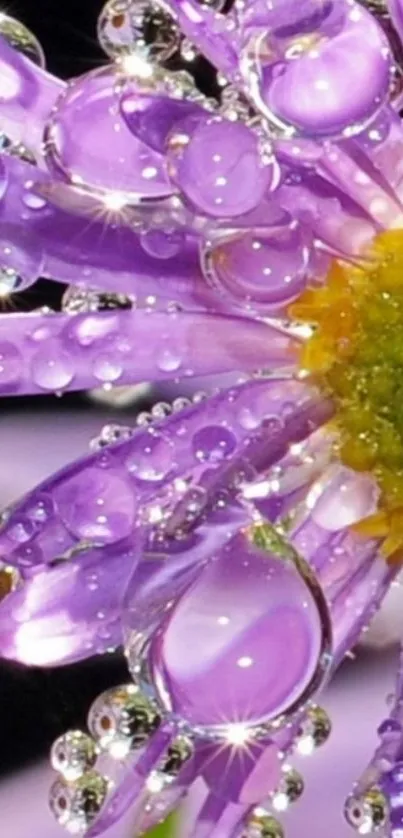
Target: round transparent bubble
x,y
137,27
210,641
314,68
76,805
21,39
260,268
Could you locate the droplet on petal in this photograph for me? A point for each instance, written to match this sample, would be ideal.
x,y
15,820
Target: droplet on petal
x,y
137,28
266,268
234,623
218,167
89,144
20,38
52,368
213,443
122,719
152,460
76,805
97,505
314,67
73,754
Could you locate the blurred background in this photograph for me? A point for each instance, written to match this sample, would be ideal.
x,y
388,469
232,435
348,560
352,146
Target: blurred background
x,y
38,436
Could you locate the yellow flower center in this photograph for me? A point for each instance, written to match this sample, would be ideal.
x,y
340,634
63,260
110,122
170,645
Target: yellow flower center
x,y
356,351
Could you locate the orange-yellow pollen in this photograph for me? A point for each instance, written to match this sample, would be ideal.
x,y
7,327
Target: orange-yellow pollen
x,y
356,351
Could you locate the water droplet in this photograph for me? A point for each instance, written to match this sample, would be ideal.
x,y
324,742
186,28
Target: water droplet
x,y
138,29
153,459
162,244
34,202
107,368
213,443
20,38
168,361
52,368
21,529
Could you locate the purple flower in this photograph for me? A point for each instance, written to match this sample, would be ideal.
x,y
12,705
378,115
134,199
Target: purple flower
x,y
237,547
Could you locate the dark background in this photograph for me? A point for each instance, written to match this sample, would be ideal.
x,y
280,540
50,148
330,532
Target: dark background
x,y
36,705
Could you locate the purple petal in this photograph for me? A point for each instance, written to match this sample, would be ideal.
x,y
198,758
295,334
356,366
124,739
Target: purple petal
x,y
68,612
326,207
57,352
353,575
58,240
250,424
395,8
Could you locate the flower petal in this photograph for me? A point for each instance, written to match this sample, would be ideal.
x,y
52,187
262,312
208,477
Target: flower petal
x,y
100,499
55,352
68,612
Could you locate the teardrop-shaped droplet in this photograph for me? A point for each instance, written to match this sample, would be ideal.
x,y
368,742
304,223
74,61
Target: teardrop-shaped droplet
x,y
238,643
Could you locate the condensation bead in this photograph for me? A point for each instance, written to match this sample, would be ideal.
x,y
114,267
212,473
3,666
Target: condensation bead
x,y
52,367
21,39
110,434
98,505
76,805
162,244
122,719
368,813
262,825
180,404
11,367
137,28
161,410
289,791
153,460
217,167
315,730
21,529
178,754
107,368
213,444
73,754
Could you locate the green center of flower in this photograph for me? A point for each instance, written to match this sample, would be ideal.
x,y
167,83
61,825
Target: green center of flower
x,y
356,351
